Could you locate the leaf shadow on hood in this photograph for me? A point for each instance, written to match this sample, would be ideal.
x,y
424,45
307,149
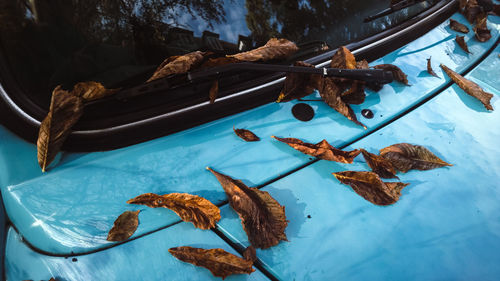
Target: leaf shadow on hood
x,y
425,74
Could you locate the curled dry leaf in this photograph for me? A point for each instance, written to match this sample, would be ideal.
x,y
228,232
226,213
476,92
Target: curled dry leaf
x,y
178,65
369,186
343,58
462,4
469,87
461,42
429,68
379,165
405,157
355,94
212,62
332,90
65,110
214,91
91,90
455,25
250,254
472,10
263,218
331,93
298,85
246,135
322,150
363,64
274,49
190,208
482,32
398,74
219,262
125,225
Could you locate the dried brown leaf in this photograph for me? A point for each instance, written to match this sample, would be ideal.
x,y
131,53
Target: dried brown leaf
x,y
429,68
263,218
461,42
355,94
363,64
214,91
178,65
344,59
398,74
212,62
190,208
250,254
274,49
455,25
469,87
91,90
246,135
124,227
219,262
379,165
405,157
462,5
65,110
369,186
471,10
322,150
482,32
299,85
332,95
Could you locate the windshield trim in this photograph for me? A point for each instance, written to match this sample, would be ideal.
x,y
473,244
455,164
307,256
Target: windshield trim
x,y
274,82
439,8
18,109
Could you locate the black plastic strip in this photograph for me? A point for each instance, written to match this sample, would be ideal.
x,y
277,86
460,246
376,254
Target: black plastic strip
x,y
106,125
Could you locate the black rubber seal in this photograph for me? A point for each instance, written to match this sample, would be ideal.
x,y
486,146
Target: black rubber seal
x,y
111,124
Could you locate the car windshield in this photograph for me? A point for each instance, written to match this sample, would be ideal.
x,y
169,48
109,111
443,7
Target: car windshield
x,y
46,43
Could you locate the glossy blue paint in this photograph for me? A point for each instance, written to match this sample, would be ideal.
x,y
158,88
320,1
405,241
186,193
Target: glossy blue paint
x,y
141,259
71,208
446,225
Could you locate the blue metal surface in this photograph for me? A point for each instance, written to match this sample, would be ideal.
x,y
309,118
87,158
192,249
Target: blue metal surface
x,y
141,259
71,208
446,225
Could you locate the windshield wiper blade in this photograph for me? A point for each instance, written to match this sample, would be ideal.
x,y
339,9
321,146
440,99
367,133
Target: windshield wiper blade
x,y
394,8
377,76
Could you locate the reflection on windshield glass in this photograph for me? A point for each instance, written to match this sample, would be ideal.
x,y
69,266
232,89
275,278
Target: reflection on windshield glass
x,y
52,42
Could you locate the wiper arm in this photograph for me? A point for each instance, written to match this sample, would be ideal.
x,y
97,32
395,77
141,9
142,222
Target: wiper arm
x,y
367,75
394,8
378,76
